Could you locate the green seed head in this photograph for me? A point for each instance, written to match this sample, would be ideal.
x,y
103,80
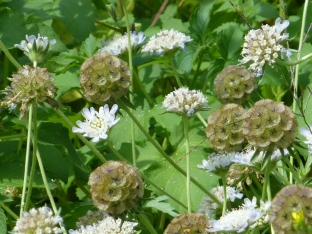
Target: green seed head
x,y
115,187
104,77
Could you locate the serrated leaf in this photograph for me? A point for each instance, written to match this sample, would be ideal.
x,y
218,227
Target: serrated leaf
x,y
3,226
159,203
88,47
184,59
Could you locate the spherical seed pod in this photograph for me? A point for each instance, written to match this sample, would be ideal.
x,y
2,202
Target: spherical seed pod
x,y
104,77
224,129
292,199
234,84
188,223
270,125
30,84
115,187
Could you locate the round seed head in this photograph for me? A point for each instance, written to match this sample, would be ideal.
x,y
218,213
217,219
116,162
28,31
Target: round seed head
x,y
234,84
269,125
224,128
115,187
188,223
104,77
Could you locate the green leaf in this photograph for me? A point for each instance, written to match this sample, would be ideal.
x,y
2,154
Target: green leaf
x,y
89,46
159,203
3,227
184,59
275,76
65,82
265,10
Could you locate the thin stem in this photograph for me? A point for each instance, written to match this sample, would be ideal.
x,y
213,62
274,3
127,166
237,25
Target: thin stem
x,y
187,147
110,145
162,152
266,184
162,221
224,194
8,210
3,138
161,9
297,62
201,119
142,88
145,221
9,55
30,117
176,75
108,26
81,137
280,176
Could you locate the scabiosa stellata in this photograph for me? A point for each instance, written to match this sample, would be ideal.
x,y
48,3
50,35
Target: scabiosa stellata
x,y
184,101
263,45
166,40
36,48
119,45
270,125
308,135
234,84
209,207
97,124
104,77
188,223
116,187
39,220
30,85
224,129
291,210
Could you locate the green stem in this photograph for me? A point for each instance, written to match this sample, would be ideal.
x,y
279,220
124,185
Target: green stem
x,y
142,88
297,62
162,221
8,210
81,137
3,138
162,152
145,221
34,158
280,176
201,119
158,61
187,147
30,117
266,184
292,170
224,195
176,75
200,57
9,55
110,145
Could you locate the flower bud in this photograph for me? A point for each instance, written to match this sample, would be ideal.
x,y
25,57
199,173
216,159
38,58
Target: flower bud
x,y
115,187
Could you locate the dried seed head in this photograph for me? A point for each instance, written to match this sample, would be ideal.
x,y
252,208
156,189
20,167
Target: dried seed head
x,y
270,125
30,84
290,202
224,128
104,76
115,187
234,84
188,223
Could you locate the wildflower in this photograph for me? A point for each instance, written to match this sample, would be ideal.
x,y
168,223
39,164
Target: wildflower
x,y
308,135
184,101
115,187
263,45
224,129
166,40
108,225
104,77
188,223
91,217
119,45
39,220
36,48
97,124
209,207
234,84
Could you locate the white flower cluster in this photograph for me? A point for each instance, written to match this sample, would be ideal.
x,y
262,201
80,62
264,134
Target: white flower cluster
x,y
247,217
119,45
97,124
184,101
108,225
35,48
166,40
263,45
308,135
217,161
209,207
38,221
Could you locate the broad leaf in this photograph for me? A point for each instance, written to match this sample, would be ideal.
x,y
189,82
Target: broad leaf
x,y
159,203
3,228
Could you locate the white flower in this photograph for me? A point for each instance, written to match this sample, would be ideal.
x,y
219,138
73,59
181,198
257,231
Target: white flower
x,y
184,101
209,207
166,40
35,48
38,221
97,124
217,161
263,45
308,135
108,225
118,45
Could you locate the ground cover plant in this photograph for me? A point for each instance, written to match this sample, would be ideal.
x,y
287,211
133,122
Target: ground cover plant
x,y
122,116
